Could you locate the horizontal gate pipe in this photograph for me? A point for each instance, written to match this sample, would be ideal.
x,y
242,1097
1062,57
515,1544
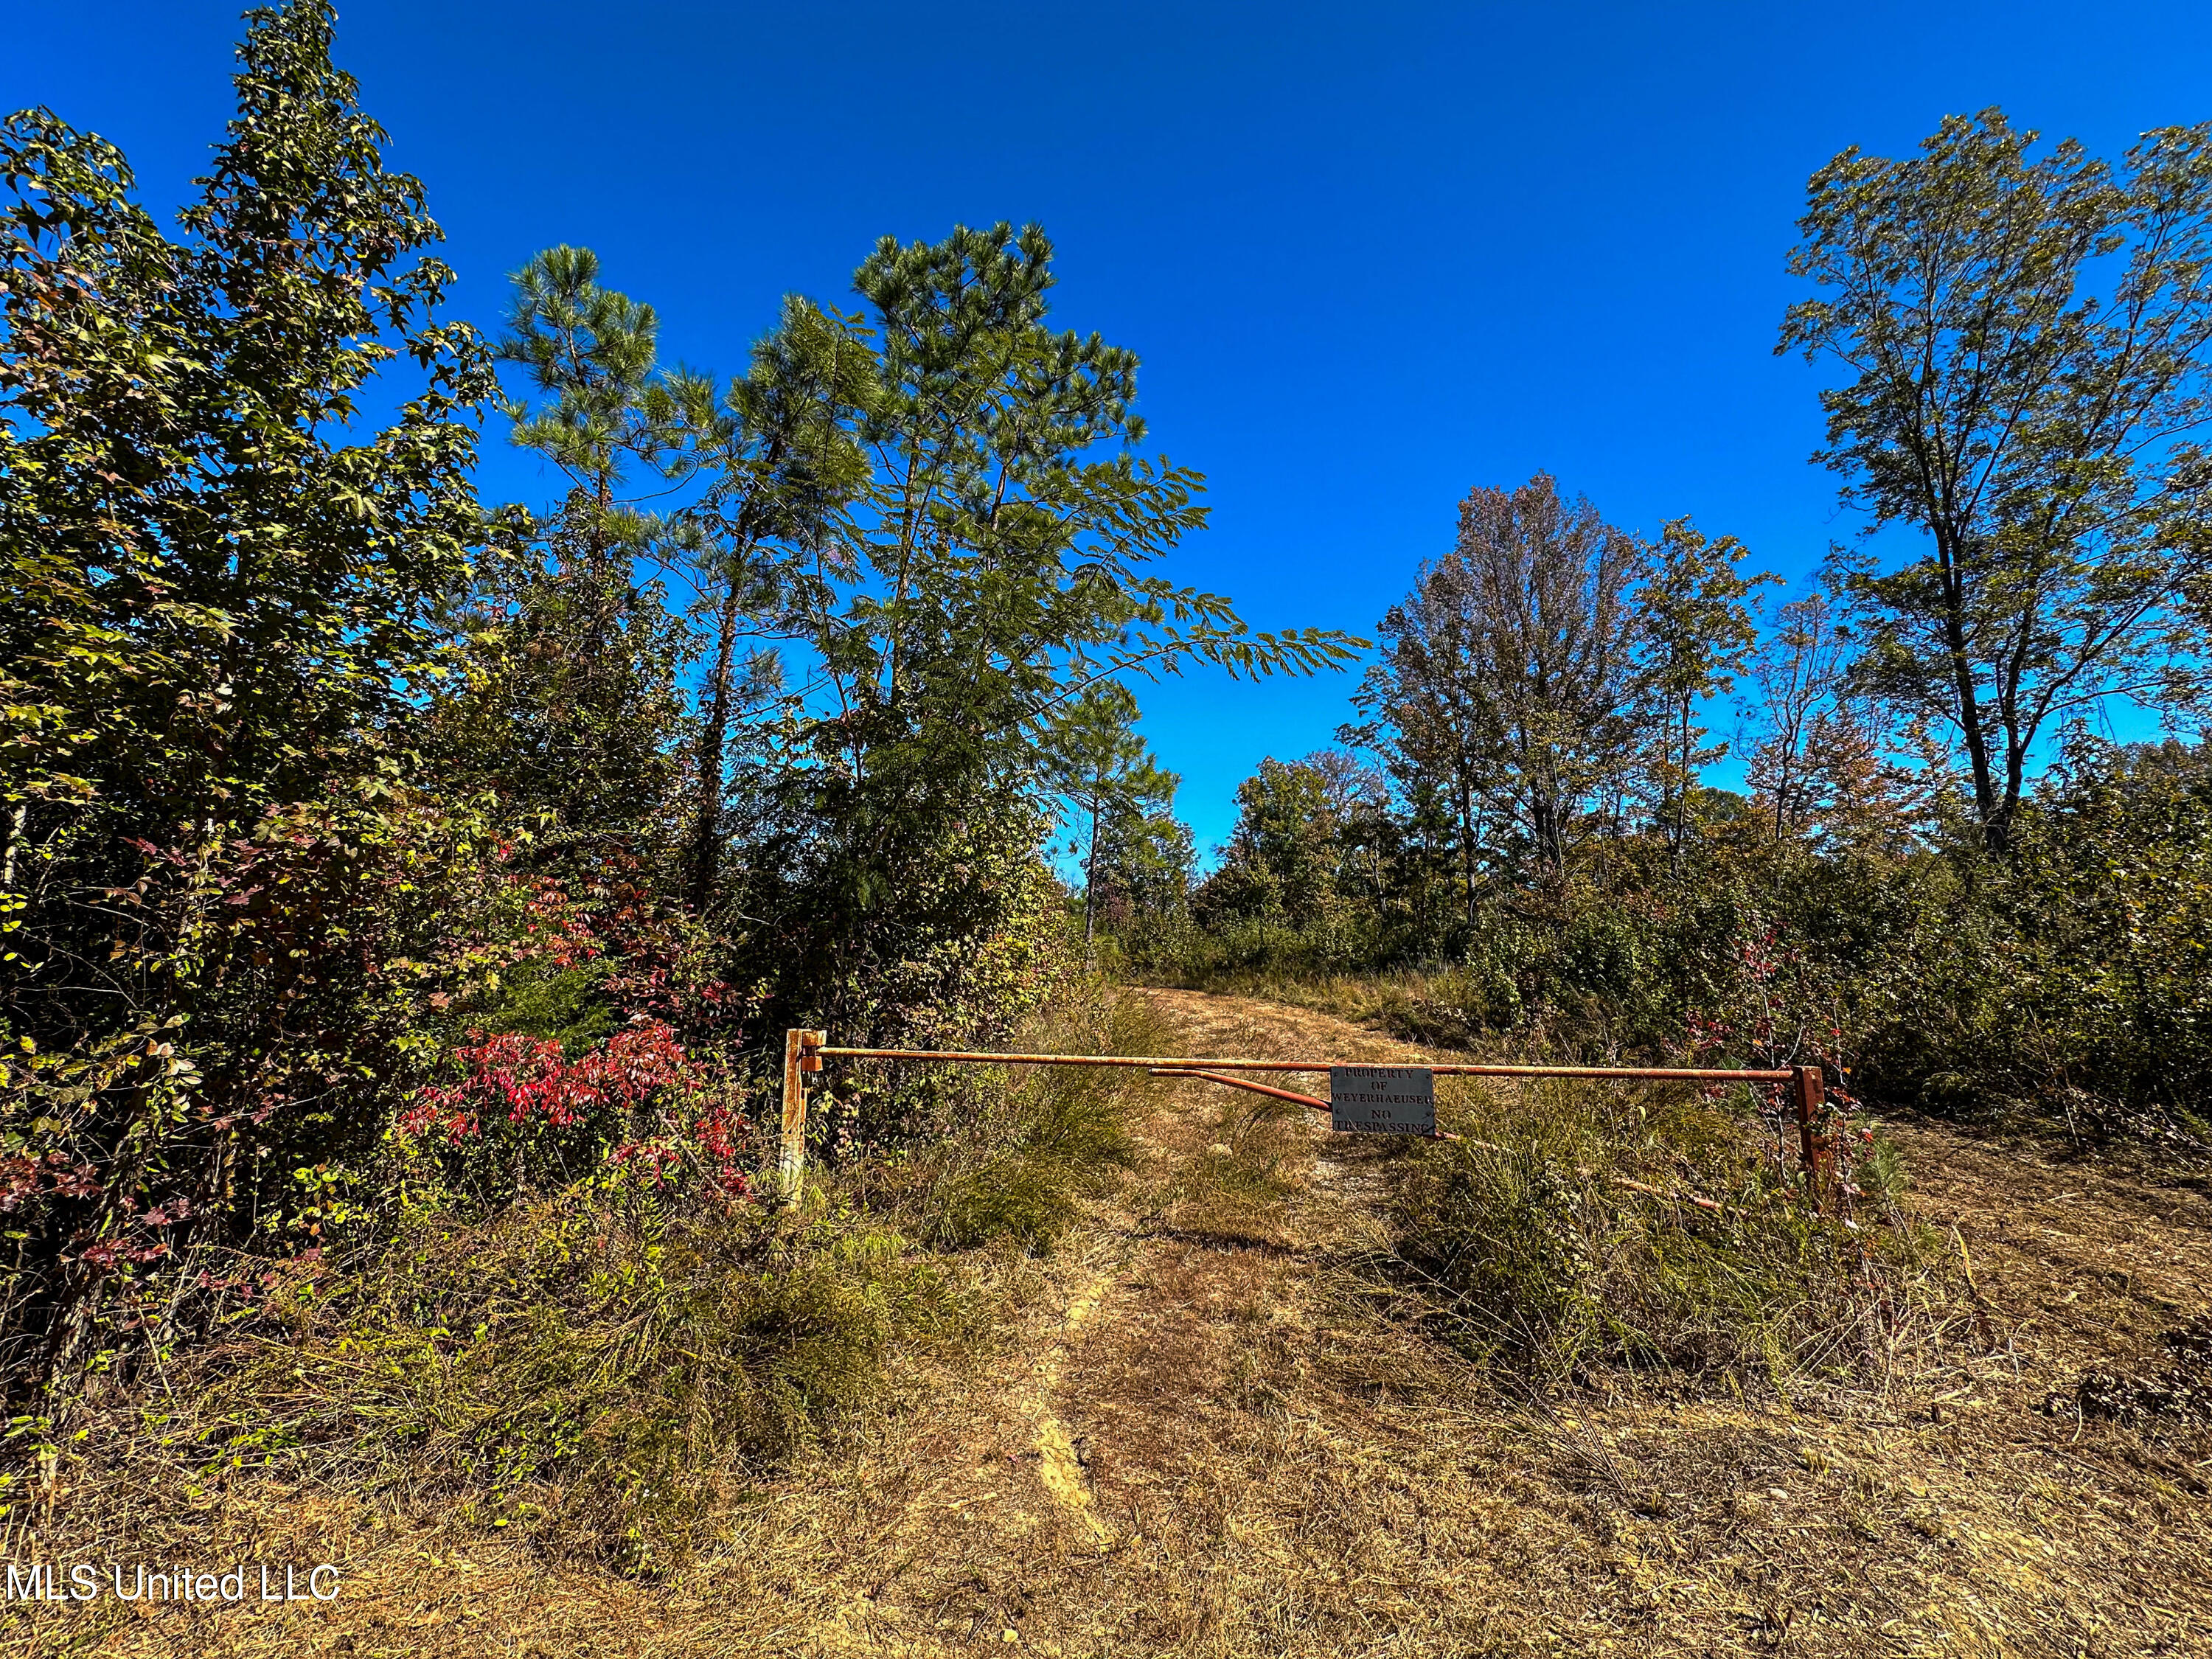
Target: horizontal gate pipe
x,y
804,1051
1184,1062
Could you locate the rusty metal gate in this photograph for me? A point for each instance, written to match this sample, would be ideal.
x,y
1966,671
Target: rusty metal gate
x,y
805,1053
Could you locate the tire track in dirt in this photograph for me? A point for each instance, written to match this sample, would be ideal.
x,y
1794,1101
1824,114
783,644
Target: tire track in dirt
x,y
1170,1133
1060,1467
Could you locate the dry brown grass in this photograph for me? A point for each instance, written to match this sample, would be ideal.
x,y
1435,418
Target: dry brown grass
x,y
1201,1430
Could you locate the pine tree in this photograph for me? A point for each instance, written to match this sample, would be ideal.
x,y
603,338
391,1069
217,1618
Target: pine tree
x,y
784,466
569,705
600,409
1103,768
1001,562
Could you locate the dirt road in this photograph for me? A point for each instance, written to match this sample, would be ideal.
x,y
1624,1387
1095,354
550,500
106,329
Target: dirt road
x,y
1207,1435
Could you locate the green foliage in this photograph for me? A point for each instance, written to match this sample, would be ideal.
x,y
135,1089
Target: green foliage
x,y
1142,876
230,590
1036,1150
948,942
2026,336
543,999
1279,866
2065,979
1698,637
1099,764
356,835
994,573
181,467
565,705
784,466
2072,978
589,352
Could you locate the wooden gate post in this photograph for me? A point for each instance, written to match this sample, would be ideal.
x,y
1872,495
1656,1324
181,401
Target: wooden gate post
x,y
802,1053
1812,1099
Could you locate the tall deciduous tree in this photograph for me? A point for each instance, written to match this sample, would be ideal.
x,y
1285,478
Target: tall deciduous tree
x,y
230,590
1511,668
1693,615
1797,675
2025,337
1818,764
1424,717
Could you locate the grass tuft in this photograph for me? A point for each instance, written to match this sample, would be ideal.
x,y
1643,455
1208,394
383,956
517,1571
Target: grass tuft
x,y
1559,1238
1021,1149
589,1370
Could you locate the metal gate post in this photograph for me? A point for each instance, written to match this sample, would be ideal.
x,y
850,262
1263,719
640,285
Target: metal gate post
x,y
802,1053
1812,1099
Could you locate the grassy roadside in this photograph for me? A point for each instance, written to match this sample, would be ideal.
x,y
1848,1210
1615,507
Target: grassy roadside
x,y
1215,1420
1321,1474
601,1374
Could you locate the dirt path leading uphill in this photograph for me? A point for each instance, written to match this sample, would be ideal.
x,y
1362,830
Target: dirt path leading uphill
x,y
1206,1436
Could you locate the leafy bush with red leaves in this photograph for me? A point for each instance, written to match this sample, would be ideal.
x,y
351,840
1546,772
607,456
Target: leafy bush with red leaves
x,y
638,1100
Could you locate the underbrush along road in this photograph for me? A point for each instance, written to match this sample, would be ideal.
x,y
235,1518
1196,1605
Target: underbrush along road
x,y
1219,1421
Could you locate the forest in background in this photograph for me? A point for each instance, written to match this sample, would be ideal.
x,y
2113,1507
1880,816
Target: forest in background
x,y
384,866
1946,878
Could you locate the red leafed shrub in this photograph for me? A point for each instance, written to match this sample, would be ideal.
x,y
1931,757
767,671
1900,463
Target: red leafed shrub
x,y
639,1099
600,925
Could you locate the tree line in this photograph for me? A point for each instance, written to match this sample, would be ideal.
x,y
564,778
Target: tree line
x,y
1943,867
360,832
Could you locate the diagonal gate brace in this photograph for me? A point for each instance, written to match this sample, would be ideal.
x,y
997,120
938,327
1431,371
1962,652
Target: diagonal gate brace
x,y
1269,1090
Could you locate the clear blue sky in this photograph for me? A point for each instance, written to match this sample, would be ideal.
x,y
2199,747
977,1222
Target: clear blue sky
x,y
1372,256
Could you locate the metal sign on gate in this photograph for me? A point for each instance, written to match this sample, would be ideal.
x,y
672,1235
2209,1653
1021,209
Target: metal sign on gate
x,y
1382,1100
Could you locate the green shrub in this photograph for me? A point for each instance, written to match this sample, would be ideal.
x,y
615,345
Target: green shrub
x,y
604,1367
2074,977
